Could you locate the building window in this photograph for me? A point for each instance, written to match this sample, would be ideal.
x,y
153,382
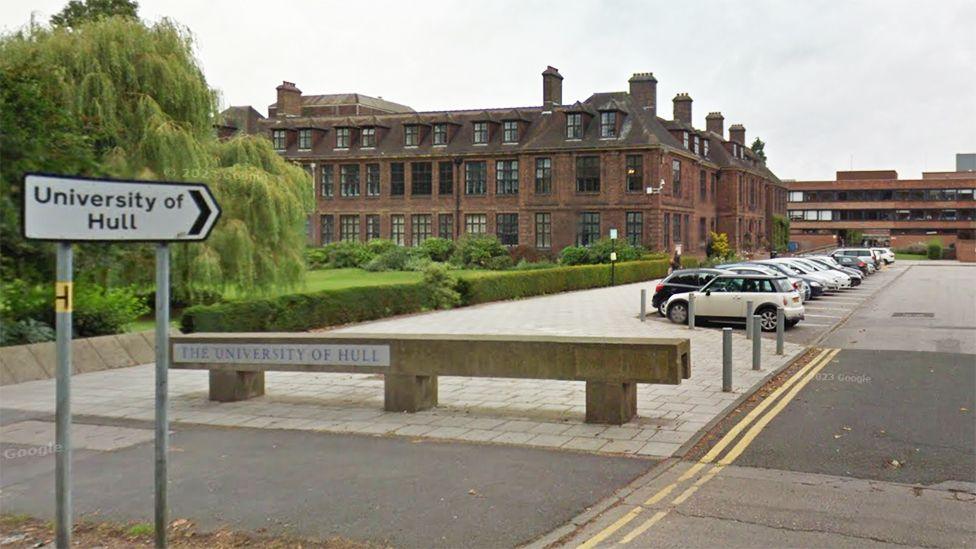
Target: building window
x,y
369,138
372,227
635,173
588,228
587,174
506,177
543,176
445,226
397,229
475,178
608,124
304,139
342,138
510,131
702,232
480,132
349,228
445,178
279,138
684,140
411,135
705,147
703,185
714,186
574,125
543,230
397,186
372,179
420,228
475,224
676,177
796,196
327,228
506,228
697,141
666,232
326,186
349,180
677,228
634,228
440,134
421,178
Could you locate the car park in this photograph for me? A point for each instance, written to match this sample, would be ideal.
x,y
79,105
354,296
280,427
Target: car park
x,y
829,281
887,255
829,263
854,262
815,284
680,281
725,298
754,268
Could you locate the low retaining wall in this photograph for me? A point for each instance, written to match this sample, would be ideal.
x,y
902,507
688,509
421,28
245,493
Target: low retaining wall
x,y
20,363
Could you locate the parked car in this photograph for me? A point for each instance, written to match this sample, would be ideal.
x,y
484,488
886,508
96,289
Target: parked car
x,y
754,268
864,253
840,276
815,284
855,262
829,281
725,297
830,263
887,255
684,280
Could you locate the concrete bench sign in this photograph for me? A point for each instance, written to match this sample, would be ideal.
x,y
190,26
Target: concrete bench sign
x,y
410,363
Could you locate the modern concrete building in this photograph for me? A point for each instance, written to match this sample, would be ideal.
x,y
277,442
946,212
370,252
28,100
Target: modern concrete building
x,y
545,176
877,207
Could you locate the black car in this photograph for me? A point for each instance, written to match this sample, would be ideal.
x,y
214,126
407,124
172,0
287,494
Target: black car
x,y
681,281
854,262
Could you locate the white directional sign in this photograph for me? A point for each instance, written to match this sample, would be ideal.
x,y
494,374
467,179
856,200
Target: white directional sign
x,y
68,208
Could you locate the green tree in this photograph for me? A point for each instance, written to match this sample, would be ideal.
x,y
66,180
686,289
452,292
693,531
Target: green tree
x,y
78,12
116,97
759,147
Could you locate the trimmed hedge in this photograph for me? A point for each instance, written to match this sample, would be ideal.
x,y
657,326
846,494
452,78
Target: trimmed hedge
x,y
298,312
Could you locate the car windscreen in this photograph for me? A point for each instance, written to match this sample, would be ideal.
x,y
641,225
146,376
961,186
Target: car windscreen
x,y
800,267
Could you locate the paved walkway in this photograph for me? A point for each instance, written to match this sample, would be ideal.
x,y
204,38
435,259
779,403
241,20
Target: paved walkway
x,y
501,411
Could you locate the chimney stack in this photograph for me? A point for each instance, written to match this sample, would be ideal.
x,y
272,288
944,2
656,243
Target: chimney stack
x,y
715,123
682,108
289,100
737,134
552,88
643,89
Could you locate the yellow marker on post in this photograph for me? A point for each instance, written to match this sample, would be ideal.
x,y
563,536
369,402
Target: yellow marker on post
x,y
63,297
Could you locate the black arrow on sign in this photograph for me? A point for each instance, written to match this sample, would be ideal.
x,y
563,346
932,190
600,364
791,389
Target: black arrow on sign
x,y
205,212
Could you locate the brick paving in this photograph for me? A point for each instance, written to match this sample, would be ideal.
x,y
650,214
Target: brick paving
x,y
538,413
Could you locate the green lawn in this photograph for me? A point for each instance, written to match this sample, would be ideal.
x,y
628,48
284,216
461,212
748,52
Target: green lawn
x,y
899,255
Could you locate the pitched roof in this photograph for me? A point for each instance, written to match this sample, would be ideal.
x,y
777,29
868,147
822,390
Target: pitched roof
x,y
335,99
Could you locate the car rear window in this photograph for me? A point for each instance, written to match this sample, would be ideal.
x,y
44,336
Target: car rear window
x,y
782,285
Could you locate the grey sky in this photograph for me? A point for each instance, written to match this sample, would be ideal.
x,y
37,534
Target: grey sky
x,y
890,83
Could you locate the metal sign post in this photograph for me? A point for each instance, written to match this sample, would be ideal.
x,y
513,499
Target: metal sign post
x,y
72,209
613,255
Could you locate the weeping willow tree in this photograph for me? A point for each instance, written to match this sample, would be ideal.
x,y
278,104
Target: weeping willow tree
x,y
138,106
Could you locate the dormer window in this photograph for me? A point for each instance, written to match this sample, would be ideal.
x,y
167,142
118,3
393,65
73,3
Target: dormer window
x,y
480,133
684,140
342,138
278,137
697,142
705,147
411,135
608,124
304,139
574,125
440,134
368,137
510,131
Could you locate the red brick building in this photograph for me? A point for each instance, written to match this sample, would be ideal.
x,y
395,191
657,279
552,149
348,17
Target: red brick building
x,y
878,207
545,176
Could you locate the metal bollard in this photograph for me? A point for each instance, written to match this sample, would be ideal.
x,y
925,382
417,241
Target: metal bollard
x,y
691,311
726,360
780,329
749,307
756,341
643,311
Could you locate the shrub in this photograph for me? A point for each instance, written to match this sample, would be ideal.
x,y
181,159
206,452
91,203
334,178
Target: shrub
x,y
417,262
25,331
379,246
106,311
526,253
346,254
438,249
719,245
316,258
934,249
574,255
440,287
599,251
534,266
478,250
394,259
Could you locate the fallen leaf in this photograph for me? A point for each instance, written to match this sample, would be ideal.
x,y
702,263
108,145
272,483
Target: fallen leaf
x,y
838,436
846,428
964,410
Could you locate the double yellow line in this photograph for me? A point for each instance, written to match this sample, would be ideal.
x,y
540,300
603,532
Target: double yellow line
x,y
756,418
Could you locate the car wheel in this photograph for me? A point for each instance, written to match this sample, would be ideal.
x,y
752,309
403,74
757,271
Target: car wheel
x,y
767,319
660,308
791,323
678,312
